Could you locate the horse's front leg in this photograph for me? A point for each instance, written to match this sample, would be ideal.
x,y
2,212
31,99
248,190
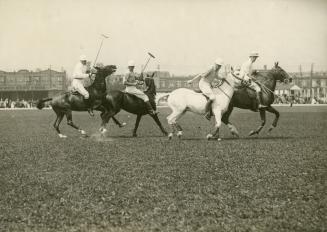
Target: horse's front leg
x,y
225,120
215,135
263,122
274,111
137,123
118,123
105,117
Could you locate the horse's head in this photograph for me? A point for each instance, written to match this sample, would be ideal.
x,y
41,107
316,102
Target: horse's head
x,y
233,77
103,72
280,74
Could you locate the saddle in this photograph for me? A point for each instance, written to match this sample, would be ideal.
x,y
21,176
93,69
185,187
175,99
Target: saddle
x,y
199,91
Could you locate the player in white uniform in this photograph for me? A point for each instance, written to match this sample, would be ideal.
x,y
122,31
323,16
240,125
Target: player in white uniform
x,y
81,76
246,74
131,81
205,83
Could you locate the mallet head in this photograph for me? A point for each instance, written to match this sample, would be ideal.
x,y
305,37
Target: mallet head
x,y
151,55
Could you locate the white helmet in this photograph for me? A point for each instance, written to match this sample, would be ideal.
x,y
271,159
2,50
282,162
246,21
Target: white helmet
x,y
131,63
254,54
219,61
82,57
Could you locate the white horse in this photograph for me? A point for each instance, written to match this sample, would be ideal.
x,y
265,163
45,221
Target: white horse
x,y
182,100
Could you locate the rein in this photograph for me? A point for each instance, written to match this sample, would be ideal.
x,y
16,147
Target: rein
x,y
218,86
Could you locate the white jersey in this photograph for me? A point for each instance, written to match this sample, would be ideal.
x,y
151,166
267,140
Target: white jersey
x,y
80,74
246,69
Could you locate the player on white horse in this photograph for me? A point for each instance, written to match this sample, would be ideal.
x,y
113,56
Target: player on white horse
x,y
205,84
183,100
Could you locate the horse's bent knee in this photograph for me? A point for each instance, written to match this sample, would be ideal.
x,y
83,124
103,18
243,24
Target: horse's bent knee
x,y
218,124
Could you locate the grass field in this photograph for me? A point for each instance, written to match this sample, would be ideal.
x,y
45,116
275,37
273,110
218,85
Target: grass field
x,y
272,182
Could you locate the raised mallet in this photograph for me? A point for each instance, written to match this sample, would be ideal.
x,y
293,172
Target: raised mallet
x,y
150,56
96,58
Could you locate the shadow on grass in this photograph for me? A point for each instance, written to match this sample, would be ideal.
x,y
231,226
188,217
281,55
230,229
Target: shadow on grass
x,y
243,138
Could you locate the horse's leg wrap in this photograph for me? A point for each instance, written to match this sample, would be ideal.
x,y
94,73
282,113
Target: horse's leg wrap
x,y
173,127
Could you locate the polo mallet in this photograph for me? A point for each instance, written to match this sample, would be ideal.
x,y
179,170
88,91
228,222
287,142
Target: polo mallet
x,y
150,56
103,37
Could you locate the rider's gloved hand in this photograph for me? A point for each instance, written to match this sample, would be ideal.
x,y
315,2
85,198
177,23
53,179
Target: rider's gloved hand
x,y
93,70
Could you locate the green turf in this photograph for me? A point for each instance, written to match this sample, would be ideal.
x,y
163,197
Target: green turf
x,y
271,182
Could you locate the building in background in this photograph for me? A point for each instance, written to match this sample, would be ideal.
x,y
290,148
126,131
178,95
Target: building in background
x,y
30,86
305,85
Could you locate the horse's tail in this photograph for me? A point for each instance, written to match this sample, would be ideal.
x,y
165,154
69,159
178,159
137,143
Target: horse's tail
x,y
40,103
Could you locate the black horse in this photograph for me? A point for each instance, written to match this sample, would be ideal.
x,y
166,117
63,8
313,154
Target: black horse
x,y
244,98
116,100
65,103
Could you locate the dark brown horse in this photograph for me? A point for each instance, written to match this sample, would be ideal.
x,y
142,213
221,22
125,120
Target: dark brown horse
x,y
65,103
116,100
244,98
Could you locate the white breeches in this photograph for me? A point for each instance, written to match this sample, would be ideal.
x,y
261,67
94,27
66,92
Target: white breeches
x,y
206,89
78,86
138,93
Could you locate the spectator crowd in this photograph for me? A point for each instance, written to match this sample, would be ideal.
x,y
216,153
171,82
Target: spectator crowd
x,y
284,99
279,99
18,103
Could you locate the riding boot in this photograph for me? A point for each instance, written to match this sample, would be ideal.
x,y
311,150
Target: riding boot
x,y
259,98
88,104
208,109
150,108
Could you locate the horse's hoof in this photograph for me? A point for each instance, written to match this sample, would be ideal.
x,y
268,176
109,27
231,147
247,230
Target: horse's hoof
x,y
103,131
209,136
219,139
123,124
82,132
179,134
62,136
235,134
271,128
170,136
253,133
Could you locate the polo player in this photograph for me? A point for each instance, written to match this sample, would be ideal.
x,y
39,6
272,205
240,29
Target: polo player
x,y
131,81
246,74
205,84
81,76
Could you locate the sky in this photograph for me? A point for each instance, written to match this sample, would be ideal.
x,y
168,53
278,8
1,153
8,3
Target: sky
x,y
186,36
